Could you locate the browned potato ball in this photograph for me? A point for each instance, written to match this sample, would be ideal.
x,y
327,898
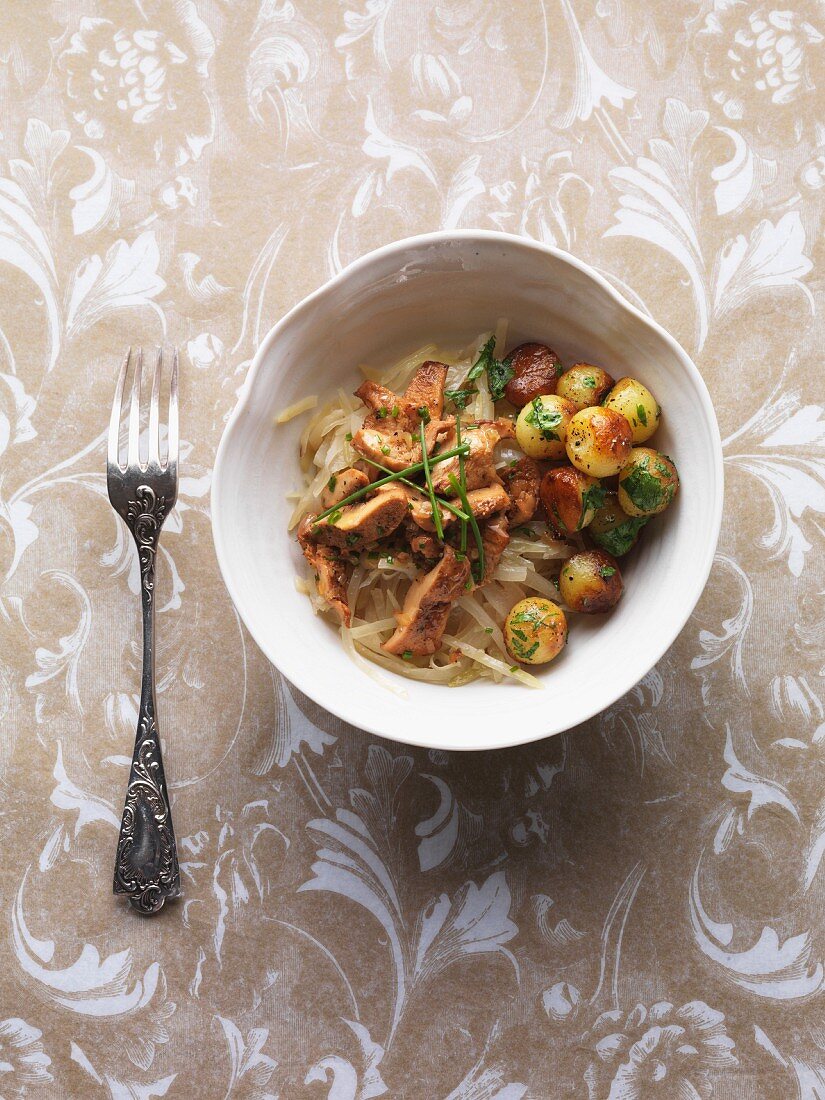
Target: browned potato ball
x,y
535,631
638,405
570,497
590,582
613,529
542,425
584,385
536,369
598,441
648,483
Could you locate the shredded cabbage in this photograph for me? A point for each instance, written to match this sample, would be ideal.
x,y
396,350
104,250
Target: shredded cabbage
x,y
473,646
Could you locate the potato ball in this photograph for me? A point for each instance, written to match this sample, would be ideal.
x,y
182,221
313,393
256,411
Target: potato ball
x,y
584,385
541,427
535,631
613,529
536,369
648,482
570,497
598,441
590,582
638,405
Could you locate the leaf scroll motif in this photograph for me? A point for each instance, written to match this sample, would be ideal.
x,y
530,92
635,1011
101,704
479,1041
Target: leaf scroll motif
x,y
783,445
146,865
351,862
145,517
127,278
658,204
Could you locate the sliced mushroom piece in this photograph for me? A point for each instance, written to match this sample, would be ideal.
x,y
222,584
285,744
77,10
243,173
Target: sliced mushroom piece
x,y
360,524
340,486
332,573
427,605
522,481
393,449
479,462
426,388
494,538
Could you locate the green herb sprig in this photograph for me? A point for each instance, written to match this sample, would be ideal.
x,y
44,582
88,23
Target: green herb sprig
x,y
462,493
412,485
428,477
397,475
462,480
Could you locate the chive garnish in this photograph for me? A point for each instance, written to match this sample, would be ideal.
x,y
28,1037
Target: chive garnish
x,y
462,480
462,492
416,468
412,485
428,477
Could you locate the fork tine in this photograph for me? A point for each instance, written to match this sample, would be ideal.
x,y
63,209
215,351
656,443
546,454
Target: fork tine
x,y
117,409
154,432
172,435
133,450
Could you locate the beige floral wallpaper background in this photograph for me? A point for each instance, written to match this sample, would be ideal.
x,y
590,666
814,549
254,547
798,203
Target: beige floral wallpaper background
x,y
631,911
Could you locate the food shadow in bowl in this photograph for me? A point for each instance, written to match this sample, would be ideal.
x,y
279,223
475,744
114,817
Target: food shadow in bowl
x,y
446,288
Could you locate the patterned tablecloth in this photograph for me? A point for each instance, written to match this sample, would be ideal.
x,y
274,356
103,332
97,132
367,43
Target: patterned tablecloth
x,y
631,910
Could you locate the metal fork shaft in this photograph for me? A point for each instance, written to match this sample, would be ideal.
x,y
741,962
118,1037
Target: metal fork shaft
x,y
146,866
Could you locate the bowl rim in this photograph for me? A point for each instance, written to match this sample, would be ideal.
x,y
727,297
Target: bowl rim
x,y
306,682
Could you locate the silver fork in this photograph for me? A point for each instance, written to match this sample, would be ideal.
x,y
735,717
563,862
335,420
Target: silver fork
x,y
143,494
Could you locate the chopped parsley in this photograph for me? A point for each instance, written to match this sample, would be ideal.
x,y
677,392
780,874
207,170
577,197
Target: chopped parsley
x,y
607,571
645,490
499,373
589,382
468,584
546,420
348,437
333,481
460,397
642,415
485,357
406,655
619,539
592,497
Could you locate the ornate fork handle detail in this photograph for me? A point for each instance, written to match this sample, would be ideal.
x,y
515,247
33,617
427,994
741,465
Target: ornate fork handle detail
x,y
146,866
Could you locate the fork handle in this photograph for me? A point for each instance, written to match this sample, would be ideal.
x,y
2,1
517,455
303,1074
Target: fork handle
x,y
146,865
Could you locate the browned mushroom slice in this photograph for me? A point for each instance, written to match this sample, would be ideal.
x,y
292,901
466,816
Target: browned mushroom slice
x,y
494,538
483,504
365,522
332,573
426,388
522,480
479,462
393,449
385,406
392,412
340,485
423,618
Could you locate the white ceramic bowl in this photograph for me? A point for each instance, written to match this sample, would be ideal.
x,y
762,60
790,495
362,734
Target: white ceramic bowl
x,y
449,287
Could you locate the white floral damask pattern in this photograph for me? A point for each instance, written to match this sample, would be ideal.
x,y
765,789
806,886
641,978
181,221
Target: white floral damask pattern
x,y
631,911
